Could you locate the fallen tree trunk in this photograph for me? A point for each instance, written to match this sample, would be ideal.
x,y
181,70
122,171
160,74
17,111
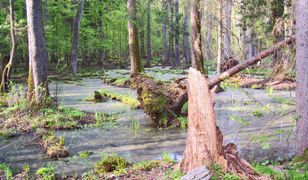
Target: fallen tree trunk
x,y
164,102
180,101
204,143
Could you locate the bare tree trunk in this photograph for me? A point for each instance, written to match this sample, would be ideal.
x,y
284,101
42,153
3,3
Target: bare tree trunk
x,y
186,41
101,33
136,65
149,49
171,34
75,40
37,49
4,86
164,32
209,38
195,18
302,75
142,43
220,51
251,47
227,27
177,33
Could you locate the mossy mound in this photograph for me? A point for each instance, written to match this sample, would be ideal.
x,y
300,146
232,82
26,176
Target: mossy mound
x,y
54,146
109,164
301,158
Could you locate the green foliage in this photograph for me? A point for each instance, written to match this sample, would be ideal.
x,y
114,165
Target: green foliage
x,y
183,122
167,157
46,173
146,165
174,174
257,113
110,163
241,121
7,171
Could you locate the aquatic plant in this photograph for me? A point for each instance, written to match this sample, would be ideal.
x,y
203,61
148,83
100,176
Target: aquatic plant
x,y
167,157
146,165
7,171
47,173
85,154
55,146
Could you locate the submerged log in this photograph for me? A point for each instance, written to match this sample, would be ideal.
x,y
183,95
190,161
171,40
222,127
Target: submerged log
x,y
204,143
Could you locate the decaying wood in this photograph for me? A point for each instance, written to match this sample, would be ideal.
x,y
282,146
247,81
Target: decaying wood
x,y
204,143
204,139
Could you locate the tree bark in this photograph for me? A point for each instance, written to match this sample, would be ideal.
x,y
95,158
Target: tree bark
x,y
4,86
75,40
149,49
101,33
177,34
195,18
37,49
164,32
204,139
227,27
302,75
187,53
136,65
220,51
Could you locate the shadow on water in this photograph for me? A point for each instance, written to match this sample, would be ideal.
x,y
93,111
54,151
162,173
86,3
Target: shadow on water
x,y
135,137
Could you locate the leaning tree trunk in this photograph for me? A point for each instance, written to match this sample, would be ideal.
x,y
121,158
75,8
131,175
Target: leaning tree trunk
x,y
135,60
4,86
37,49
195,18
302,75
204,143
75,40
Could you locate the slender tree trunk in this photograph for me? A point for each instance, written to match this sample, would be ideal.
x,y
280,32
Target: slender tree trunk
x,y
75,40
171,34
186,41
136,65
142,43
302,75
46,13
149,49
227,27
251,47
164,32
101,33
177,33
220,50
4,86
195,18
37,49
209,38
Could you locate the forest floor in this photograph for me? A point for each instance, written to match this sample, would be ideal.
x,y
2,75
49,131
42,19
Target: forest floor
x,y
117,127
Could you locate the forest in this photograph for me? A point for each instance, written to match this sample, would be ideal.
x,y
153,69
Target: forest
x,y
154,89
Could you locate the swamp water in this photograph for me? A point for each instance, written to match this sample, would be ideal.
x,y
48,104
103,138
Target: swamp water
x,y
241,114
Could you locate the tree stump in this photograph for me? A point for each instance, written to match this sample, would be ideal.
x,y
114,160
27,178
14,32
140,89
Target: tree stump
x,y
204,143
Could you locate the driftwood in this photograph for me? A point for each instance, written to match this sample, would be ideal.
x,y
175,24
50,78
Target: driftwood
x,y
204,143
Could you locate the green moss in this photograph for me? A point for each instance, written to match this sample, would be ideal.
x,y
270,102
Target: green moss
x,y
120,97
301,158
155,104
110,164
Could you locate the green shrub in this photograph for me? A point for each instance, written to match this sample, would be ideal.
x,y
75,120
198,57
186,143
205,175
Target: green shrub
x,y
109,164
